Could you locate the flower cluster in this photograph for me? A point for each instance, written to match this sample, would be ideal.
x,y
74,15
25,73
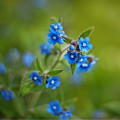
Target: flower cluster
x,y
52,82
56,34
7,95
56,109
75,55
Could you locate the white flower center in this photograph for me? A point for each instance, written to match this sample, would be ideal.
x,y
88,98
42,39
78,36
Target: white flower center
x,y
45,47
54,37
35,78
52,82
55,27
66,114
72,56
61,35
85,65
84,44
54,107
81,60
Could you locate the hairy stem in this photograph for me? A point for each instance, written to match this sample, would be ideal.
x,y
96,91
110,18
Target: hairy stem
x,y
58,58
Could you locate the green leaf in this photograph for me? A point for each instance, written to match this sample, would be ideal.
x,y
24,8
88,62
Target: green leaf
x,y
68,40
54,72
69,102
46,59
113,107
73,67
54,20
58,47
87,33
39,66
28,86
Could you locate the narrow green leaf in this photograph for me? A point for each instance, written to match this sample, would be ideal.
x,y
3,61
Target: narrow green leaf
x,y
54,72
113,107
46,59
87,32
69,102
39,66
73,67
28,86
54,20
68,40
58,47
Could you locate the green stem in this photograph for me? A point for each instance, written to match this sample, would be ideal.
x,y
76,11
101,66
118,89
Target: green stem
x,y
58,58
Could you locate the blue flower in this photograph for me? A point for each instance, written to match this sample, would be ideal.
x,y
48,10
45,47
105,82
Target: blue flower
x,y
3,69
99,114
46,48
56,37
53,82
13,55
54,108
71,47
77,78
28,59
65,115
71,57
7,95
83,67
56,27
82,59
37,79
84,45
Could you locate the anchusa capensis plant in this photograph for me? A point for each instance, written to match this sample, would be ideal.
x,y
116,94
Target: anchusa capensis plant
x,y
64,48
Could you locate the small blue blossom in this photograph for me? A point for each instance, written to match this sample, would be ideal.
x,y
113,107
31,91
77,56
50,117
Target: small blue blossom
x,y
56,37
13,55
84,45
71,57
28,59
7,95
3,69
53,82
98,114
56,27
71,47
65,115
54,108
37,79
77,77
46,48
82,59
83,67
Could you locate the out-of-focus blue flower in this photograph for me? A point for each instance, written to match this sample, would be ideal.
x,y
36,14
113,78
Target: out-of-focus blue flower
x,y
77,77
36,78
82,59
84,45
71,47
3,69
71,57
83,67
13,55
39,3
56,37
28,59
7,95
54,108
56,27
98,114
53,82
46,48
65,115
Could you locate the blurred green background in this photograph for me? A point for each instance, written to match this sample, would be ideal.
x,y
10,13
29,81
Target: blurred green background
x,y
24,25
